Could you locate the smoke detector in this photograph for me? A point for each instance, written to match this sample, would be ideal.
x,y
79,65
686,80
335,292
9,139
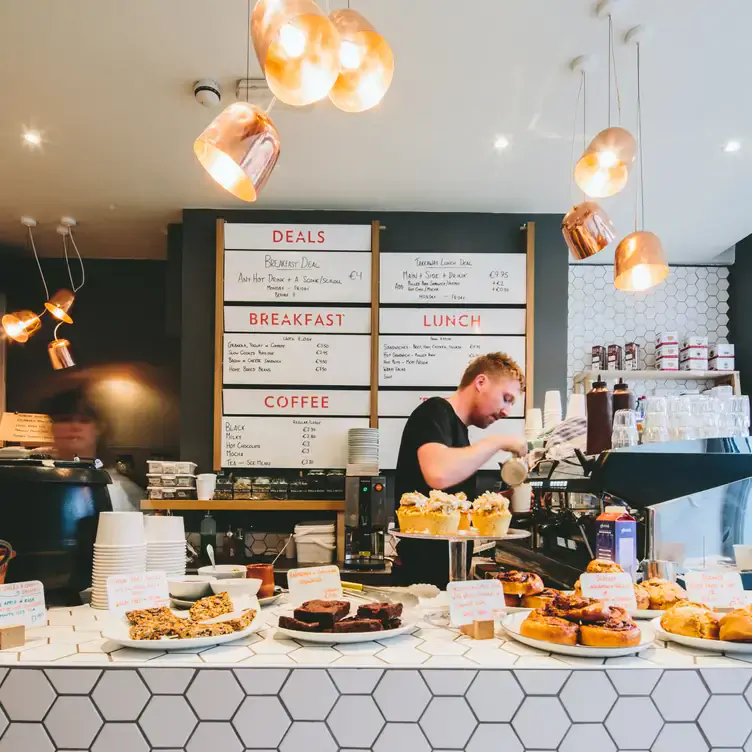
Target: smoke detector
x,y
207,92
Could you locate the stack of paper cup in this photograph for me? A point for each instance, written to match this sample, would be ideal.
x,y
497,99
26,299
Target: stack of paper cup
x,y
533,423
552,410
165,545
120,548
576,407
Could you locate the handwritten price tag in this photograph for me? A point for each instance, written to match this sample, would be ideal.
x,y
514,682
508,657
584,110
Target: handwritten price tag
x,y
613,588
716,589
476,600
314,583
131,592
22,603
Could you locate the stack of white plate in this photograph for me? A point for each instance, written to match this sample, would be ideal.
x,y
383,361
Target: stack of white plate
x,y
363,446
120,548
165,545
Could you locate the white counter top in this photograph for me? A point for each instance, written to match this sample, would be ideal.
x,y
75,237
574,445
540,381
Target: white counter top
x,y
74,636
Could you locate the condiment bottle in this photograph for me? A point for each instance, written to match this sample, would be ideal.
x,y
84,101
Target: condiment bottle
x,y
624,398
600,411
208,533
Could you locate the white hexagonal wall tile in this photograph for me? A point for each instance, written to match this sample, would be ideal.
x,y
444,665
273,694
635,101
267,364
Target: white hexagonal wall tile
x,y
213,735
726,720
588,696
172,734
73,722
680,695
167,681
120,737
402,737
680,736
355,721
261,681
402,695
635,682
449,682
72,681
261,722
587,736
448,722
26,695
215,695
626,732
484,691
532,732
541,682
494,736
27,737
356,681
120,695
308,735
309,695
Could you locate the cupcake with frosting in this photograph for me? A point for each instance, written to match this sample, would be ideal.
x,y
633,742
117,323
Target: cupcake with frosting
x,y
411,513
491,515
443,513
466,510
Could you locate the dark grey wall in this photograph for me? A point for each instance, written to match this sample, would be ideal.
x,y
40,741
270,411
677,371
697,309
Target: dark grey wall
x,y
740,308
405,231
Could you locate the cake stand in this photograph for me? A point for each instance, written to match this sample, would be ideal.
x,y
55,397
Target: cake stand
x,y
458,547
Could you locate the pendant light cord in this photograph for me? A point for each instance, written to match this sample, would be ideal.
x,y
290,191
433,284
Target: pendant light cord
x,y
248,55
54,335
67,260
612,66
639,141
574,131
39,265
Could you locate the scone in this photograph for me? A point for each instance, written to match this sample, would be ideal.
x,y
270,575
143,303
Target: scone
x,y
598,566
491,515
691,620
663,594
411,513
642,596
736,626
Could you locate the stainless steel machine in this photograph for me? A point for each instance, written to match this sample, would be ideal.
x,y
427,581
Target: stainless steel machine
x,y
365,521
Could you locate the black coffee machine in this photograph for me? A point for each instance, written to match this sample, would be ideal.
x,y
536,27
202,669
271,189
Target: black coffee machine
x,y
365,521
49,512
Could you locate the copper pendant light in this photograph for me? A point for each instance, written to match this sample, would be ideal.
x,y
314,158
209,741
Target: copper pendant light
x,y
297,47
603,170
21,325
239,149
60,354
640,262
59,305
587,230
366,60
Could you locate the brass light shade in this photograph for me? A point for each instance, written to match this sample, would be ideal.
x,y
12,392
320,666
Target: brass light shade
x,y
239,149
19,326
640,262
60,354
366,60
587,229
297,47
59,305
603,170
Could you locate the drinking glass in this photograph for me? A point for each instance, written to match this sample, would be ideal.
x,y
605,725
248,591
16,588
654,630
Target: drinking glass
x,y
624,432
655,434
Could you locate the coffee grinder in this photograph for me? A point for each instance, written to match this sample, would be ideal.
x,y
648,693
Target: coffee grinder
x,y
365,521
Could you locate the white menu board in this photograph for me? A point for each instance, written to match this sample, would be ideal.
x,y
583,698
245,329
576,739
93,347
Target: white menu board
x,y
298,319
296,402
457,278
309,442
400,404
287,237
438,360
452,320
390,436
305,359
298,277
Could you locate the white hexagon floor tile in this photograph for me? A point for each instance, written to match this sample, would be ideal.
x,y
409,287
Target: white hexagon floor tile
x,y
680,695
541,682
120,737
485,691
26,736
73,722
355,721
448,723
726,720
261,722
26,695
308,735
625,731
587,736
402,695
72,681
680,736
172,734
354,681
494,736
402,737
536,734
167,681
215,695
588,696
309,695
120,695
213,735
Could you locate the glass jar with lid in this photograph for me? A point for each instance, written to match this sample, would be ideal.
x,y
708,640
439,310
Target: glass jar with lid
x,y
261,488
335,484
279,489
317,484
298,488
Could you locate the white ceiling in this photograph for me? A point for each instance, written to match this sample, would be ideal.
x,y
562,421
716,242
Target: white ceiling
x,y
109,83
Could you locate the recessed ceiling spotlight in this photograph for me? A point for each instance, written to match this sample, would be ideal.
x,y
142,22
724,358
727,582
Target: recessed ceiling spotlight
x,y
31,138
501,143
732,146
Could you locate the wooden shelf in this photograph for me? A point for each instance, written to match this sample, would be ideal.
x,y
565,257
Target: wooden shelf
x,y
586,377
290,505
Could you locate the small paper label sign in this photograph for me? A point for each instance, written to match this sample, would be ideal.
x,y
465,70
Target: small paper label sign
x,y
716,589
22,603
131,592
314,583
613,588
26,428
475,600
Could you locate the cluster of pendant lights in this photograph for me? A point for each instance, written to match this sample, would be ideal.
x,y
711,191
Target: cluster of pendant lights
x,y
306,56
602,171
20,326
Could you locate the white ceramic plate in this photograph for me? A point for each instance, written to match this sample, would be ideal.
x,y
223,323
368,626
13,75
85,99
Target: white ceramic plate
x,y
278,593
715,646
329,638
512,623
643,613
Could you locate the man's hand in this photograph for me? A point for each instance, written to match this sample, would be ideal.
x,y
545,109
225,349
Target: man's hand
x,y
513,444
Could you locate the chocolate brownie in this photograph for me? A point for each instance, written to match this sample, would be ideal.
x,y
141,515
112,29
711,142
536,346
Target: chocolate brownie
x,y
384,612
287,622
393,624
326,613
354,624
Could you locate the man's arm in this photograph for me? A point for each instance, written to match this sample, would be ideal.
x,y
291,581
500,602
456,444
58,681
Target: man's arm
x,y
443,466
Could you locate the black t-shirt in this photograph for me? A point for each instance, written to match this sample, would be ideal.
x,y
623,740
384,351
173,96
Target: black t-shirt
x,y
433,422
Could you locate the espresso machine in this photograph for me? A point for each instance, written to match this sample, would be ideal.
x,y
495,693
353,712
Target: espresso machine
x,y
365,521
